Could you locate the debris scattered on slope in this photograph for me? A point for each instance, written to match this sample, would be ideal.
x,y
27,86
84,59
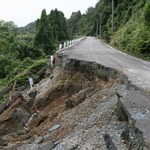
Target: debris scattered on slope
x,y
72,109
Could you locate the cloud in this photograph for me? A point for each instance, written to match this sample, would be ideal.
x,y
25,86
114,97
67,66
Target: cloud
x,y
23,12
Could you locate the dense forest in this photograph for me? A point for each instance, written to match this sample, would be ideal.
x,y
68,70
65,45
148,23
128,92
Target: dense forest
x,y
125,25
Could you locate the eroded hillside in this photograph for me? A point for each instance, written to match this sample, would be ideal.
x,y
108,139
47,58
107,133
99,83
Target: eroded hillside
x,y
74,107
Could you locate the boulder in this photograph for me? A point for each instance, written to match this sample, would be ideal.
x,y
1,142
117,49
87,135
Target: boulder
x,y
20,117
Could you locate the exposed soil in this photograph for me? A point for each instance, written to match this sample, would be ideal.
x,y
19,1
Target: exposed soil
x,y
82,104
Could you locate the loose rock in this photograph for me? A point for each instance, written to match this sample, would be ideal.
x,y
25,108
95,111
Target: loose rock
x,y
54,128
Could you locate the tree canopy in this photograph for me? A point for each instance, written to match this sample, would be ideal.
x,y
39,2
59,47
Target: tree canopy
x,y
16,45
58,23
50,31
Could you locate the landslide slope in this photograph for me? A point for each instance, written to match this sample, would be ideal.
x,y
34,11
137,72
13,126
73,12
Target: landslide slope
x,y
73,108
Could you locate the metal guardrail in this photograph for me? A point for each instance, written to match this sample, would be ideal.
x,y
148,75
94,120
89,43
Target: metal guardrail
x,y
68,44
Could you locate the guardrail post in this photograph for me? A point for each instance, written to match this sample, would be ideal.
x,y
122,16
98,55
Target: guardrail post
x,y
60,46
31,83
68,43
65,44
52,60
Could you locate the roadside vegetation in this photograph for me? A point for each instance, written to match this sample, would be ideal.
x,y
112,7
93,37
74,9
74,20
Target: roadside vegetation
x,y
26,48
131,28
23,51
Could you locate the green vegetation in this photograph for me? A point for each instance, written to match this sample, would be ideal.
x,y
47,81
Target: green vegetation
x,y
134,35
131,31
79,24
44,35
23,51
59,26
50,31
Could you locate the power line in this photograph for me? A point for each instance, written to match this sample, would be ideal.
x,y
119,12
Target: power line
x,y
21,89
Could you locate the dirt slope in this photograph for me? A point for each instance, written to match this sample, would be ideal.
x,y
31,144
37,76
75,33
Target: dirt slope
x,y
73,108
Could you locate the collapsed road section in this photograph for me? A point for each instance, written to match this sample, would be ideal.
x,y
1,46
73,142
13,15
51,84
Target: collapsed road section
x,y
79,105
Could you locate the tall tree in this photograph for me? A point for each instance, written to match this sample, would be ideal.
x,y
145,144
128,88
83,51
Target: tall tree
x,y
7,57
58,23
44,36
73,21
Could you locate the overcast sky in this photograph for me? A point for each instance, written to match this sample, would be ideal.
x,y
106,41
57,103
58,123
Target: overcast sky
x,y
23,12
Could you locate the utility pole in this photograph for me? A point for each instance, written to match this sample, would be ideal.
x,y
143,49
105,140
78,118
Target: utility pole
x,y
96,27
100,25
112,15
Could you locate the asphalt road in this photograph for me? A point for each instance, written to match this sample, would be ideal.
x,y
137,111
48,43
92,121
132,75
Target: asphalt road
x,y
94,50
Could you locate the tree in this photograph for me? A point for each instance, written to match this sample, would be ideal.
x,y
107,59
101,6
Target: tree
x,y
58,24
8,31
81,28
73,21
44,36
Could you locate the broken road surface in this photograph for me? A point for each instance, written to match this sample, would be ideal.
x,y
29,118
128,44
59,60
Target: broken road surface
x,y
91,49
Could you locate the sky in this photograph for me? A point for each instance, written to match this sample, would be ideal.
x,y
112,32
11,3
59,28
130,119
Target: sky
x,y
22,12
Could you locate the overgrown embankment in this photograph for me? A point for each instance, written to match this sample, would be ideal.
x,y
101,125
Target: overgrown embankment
x,y
131,26
128,29
134,36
